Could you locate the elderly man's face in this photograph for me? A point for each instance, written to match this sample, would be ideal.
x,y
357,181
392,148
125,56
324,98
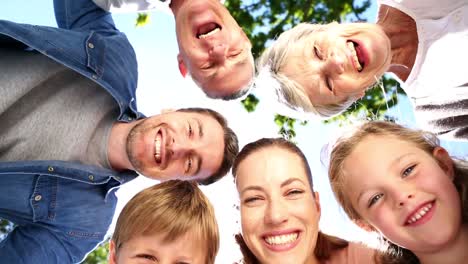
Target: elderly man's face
x,y
213,48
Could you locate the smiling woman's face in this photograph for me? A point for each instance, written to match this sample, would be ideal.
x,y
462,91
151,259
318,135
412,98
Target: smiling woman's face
x,y
279,213
338,61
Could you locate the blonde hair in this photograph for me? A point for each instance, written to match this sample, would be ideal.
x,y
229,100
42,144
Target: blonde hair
x,y
172,208
426,141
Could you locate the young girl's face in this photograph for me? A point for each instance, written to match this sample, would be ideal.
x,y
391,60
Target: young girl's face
x,y
404,192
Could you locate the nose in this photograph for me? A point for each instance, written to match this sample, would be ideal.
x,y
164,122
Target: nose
x,y
403,199
178,148
218,52
335,64
276,213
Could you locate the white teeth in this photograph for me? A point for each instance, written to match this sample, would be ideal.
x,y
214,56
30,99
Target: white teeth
x,y
354,57
420,213
281,239
212,32
157,147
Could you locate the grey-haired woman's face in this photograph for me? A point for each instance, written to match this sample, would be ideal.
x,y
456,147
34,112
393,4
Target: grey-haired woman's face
x,y
340,61
279,212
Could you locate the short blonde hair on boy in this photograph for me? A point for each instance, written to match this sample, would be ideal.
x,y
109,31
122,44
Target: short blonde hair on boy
x,y
172,208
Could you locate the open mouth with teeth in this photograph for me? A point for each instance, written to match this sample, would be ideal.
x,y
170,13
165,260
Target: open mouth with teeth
x,y
282,242
421,215
158,151
208,30
357,55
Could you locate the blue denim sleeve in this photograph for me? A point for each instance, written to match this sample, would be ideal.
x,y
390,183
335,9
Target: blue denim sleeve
x,y
82,15
34,244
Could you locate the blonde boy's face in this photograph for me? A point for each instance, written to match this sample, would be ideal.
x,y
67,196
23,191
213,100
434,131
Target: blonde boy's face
x,y
152,249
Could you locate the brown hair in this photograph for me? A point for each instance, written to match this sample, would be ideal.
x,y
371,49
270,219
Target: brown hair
x,y
231,144
172,208
424,140
325,244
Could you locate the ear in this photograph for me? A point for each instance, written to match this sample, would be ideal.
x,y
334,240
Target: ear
x,y
182,67
364,225
112,253
167,110
444,160
317,203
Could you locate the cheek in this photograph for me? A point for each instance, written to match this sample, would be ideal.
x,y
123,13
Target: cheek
x,y
250,219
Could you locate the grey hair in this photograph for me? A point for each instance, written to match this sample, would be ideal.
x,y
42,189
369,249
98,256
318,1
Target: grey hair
x,y
274,58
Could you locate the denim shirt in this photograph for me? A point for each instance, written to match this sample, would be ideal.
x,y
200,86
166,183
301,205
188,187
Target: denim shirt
x,y
63,209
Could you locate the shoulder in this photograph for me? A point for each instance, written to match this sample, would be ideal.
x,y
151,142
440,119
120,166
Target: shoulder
x,y
354,253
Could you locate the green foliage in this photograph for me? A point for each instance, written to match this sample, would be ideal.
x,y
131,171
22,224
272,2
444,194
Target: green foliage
x,y
99,255
250,103
5,228
375,102
142,19
286,126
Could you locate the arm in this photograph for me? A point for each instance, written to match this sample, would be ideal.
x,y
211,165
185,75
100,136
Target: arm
x,y
82,14
31,244
130,5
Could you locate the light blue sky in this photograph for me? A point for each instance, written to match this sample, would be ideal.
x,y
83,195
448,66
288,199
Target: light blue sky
x,y
160,86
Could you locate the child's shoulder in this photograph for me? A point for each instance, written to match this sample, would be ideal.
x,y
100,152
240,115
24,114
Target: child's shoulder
x,y
354,253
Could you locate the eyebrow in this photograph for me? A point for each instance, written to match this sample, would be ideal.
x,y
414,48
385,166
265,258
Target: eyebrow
x,y
200,128
259,188
291,180
252,188
199,165
241,60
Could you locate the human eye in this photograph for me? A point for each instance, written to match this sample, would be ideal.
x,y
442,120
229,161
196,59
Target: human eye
x,y
374,199
208,65
251,200
318,53
408,171
294,192
235,54
188,166
329,84
190,130
147,256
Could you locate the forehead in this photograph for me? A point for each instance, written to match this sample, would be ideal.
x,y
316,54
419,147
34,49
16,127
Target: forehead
x,y
170,252
270,166
376,153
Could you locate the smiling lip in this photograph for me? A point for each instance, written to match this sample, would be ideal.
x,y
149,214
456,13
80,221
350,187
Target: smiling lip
x,y
421,215
162,155
204,23
362,53
285,235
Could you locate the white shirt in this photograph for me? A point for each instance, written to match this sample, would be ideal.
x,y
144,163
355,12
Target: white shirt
x,y
440,73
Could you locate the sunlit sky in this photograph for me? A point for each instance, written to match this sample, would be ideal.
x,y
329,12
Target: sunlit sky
x,y
161,87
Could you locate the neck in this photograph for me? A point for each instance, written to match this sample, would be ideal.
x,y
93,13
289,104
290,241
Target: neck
x,y
453,253
312,260
117,146
401,30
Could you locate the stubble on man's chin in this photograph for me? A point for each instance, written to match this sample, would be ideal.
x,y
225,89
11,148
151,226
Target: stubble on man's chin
x,y
133,136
